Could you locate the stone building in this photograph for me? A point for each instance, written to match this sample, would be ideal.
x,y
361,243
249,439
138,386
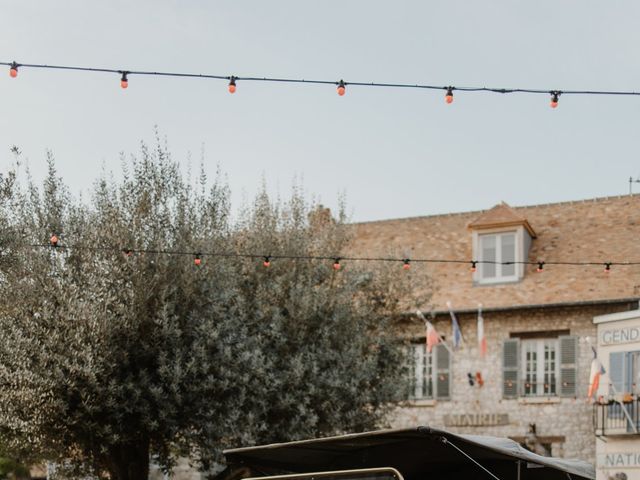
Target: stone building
x,y
532,383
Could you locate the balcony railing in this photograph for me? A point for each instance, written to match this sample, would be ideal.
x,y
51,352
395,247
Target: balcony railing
x,y
617,417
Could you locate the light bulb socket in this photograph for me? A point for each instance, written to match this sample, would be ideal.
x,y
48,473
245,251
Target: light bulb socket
x,y
540,267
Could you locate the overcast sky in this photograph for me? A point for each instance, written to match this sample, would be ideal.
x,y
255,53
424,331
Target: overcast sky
x,y
395,153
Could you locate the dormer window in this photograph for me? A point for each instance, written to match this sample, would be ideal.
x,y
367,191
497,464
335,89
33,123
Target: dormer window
x,y
498,248
500,239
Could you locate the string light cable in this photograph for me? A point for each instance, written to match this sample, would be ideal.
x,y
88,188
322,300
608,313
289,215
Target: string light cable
x,y
341,85
337,262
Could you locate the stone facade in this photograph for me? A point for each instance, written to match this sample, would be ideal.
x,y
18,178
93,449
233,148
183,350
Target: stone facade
x,y
564,423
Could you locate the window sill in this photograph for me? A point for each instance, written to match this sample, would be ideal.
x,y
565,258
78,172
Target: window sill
x,y
538,400
423,402
495,283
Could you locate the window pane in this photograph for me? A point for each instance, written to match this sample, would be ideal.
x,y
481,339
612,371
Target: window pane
x,y
508,251
488,252
530,368
421,384
550,368
418,375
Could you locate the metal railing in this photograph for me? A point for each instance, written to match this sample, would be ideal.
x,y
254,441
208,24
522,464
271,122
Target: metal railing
x,y
617,416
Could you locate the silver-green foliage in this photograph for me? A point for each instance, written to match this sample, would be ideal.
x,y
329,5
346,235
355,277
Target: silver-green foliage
x,y
106,358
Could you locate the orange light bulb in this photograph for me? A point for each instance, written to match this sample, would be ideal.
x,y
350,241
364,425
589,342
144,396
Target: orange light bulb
x,y
13,72
341,88
407,264
124,81
267,262
232,85
197,261
336,264
473,267
53,240
449,96
554,100
540,268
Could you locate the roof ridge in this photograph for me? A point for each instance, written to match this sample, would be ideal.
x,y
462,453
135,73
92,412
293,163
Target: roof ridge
x,y
536,205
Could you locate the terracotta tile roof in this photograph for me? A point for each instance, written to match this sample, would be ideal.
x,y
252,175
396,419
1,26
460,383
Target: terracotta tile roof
x,y
502,215
600,230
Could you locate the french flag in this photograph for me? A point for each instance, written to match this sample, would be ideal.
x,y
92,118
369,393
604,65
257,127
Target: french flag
x,y
432,335
482,340
594,378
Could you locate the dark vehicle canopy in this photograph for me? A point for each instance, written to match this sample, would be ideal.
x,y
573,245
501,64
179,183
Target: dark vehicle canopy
x,y
417,453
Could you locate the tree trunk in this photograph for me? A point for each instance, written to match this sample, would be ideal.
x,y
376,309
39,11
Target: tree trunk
x,y
129,461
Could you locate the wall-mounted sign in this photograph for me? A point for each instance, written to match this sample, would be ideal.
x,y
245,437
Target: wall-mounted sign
x,y
620,335
619,459
476,419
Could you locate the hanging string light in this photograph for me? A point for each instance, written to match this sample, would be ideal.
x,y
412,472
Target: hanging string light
x,y
341,85
449,96
54,241
124,81
197,260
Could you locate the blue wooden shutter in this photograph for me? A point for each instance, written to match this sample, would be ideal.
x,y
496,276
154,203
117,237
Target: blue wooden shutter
x,y
511,368
443,372
568,366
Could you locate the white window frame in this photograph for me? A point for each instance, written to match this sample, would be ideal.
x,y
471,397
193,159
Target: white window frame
x,y
423,372
478,256
543,380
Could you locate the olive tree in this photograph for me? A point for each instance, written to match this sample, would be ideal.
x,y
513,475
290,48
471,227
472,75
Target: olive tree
x,y
117,346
